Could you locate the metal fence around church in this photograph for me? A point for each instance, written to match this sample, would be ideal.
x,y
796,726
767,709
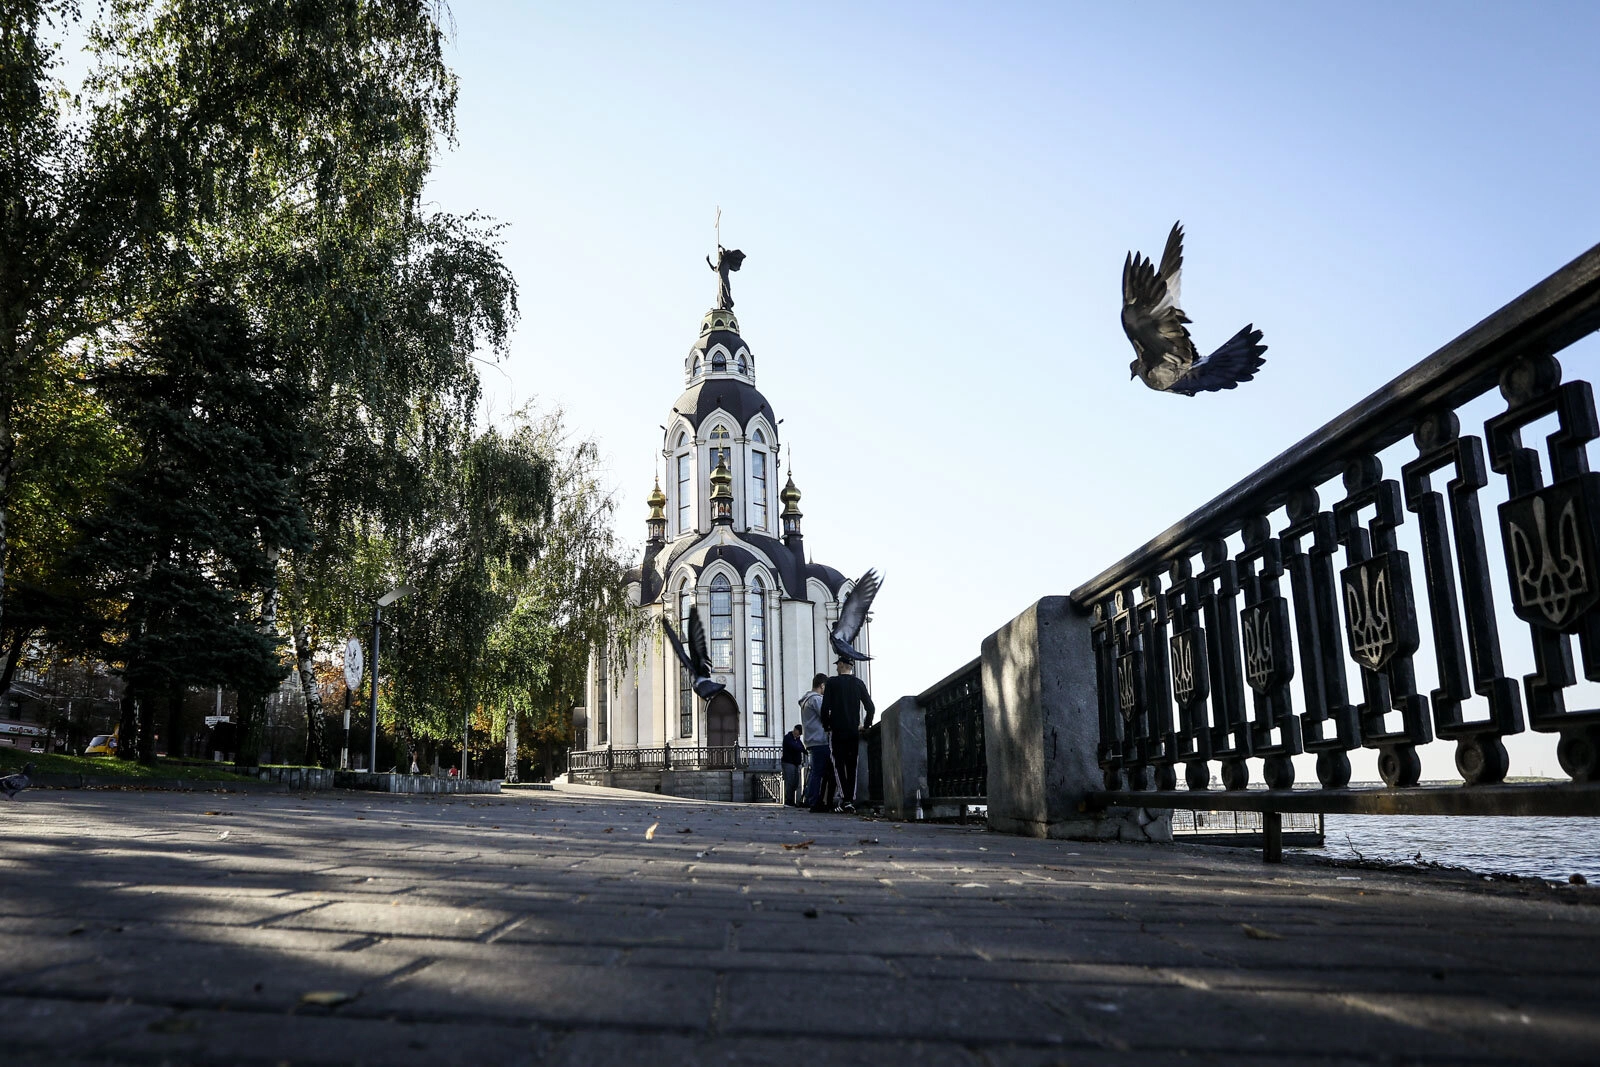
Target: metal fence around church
x,y
679,757
1291,613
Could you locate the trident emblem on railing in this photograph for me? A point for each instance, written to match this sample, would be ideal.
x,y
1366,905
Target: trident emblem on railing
x,y
1182,667
1257,648
1128,684
1551,583
1265,628
1378,615
1367,612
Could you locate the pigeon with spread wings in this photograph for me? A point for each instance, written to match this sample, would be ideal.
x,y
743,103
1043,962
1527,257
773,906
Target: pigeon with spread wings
x,y
1154,323
696,659
854,615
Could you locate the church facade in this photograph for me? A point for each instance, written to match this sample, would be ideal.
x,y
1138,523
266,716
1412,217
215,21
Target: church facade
x,y
725,537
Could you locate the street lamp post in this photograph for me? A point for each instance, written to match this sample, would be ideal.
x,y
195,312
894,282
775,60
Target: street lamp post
x,y
377,616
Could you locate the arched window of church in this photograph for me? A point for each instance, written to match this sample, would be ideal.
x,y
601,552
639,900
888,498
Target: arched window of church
x,y
602,697
720,452
721,624
685,486
741,364
685,683
719,362
696,372
758,657
758,484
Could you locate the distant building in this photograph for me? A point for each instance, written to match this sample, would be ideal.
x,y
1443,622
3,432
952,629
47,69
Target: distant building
x,y
724,536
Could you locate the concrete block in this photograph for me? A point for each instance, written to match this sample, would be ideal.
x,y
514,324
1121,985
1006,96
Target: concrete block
x,y
905,757
1041,728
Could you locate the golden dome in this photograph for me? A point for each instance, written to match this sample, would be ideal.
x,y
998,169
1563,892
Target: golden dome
x,y
657,501
722,481
790,497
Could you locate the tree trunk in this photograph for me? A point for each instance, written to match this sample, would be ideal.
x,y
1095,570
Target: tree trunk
x,y
511,742
305,666
13,654
7,459
128,725
147,732
248,731
175,745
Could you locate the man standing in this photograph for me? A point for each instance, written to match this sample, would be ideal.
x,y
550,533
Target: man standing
x,y
819,769
794,753
843,697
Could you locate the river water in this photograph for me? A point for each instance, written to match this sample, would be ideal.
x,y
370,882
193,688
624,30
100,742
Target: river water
x,y
1537,847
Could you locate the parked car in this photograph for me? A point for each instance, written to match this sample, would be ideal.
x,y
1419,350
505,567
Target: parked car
x,y
102,745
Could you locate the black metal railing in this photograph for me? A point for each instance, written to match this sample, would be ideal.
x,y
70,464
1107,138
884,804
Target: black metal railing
x,y
1226,638
957,764
678,757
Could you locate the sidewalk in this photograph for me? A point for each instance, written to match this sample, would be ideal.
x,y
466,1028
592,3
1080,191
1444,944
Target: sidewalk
x,y
545,928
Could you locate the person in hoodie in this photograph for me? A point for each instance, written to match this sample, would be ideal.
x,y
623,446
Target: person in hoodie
x,y
819,765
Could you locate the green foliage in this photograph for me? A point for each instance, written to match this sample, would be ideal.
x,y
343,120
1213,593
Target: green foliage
x,y
187,539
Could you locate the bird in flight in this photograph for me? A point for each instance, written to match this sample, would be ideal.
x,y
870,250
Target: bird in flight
x,y
853,615
1154,324
696,658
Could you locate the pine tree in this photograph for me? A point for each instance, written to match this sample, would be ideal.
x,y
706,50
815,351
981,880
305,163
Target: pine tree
x,y
188,540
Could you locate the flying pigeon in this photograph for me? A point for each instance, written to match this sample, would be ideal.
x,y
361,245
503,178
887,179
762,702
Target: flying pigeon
x,y
853,615
1154,323
696,659
16,783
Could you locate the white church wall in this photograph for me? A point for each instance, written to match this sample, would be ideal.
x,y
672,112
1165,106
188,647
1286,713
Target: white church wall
x,y
799,657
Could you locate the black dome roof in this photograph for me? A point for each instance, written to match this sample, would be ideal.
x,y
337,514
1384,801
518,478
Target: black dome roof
x,y
738,398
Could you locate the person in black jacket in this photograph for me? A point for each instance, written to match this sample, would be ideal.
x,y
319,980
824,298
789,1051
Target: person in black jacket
x,y
843,697
794,754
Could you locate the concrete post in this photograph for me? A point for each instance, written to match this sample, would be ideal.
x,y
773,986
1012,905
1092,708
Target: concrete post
x,y
905,757
1041,728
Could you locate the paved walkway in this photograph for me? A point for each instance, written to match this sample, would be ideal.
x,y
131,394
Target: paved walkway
x,y
546,928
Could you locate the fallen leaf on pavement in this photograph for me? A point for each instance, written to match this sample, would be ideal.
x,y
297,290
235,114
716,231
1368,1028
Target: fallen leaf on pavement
x,y
1260,934
327,998
224,835
686,830
866,840
650,834
800,844
608,829
212,813
853,852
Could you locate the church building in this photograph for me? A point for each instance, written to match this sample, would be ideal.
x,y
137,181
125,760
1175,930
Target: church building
x,y
723,536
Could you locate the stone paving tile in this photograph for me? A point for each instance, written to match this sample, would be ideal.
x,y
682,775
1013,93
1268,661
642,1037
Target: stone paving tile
x,y
553,993
396,919
906,1009
1219,1020
589,1047
516,930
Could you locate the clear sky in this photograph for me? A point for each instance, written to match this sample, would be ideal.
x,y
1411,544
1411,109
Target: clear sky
x,y
936,199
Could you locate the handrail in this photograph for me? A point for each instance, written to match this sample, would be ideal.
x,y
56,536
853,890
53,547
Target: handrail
x,y
1551,315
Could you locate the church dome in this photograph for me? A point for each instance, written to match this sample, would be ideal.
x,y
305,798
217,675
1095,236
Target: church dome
x,y
738,398
719,351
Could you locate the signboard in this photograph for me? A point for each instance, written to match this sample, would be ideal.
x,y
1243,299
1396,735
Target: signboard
x,y
352,663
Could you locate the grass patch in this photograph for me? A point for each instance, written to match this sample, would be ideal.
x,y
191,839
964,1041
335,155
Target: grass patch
x,y
12,759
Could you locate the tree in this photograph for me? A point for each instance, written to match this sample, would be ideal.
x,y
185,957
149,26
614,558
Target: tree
x,y
571,600
188,538
469,565
214,138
